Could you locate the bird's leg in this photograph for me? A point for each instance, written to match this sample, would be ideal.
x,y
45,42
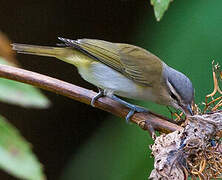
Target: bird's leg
x,y
100,94
109,93
133,108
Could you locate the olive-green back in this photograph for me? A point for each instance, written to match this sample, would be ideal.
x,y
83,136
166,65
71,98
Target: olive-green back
x,y
134,62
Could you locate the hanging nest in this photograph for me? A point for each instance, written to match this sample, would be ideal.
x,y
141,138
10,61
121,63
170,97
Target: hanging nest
x,y
195,151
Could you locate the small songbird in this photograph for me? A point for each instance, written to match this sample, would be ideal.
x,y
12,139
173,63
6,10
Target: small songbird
x,y
122,69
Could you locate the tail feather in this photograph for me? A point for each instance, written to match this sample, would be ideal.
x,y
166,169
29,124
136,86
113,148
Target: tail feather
x,y
39,50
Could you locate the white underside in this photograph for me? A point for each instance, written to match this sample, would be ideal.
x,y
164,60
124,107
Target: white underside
x,y
114,82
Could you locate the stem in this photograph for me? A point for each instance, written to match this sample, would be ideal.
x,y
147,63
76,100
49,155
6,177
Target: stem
x,y
77,93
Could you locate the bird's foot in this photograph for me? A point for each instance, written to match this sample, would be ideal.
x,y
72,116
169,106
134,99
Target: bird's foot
x,y
133,108
97,96
143,124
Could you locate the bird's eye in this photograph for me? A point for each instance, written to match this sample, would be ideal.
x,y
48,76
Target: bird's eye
x,y
174,96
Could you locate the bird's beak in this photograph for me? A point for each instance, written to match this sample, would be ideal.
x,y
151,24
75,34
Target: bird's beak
x,y
188,110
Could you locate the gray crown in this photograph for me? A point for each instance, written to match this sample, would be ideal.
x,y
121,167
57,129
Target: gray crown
x,y
180,83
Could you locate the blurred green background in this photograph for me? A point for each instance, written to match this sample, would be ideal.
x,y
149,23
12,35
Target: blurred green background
x,y
76,141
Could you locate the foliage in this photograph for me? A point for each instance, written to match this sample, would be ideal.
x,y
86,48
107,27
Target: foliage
x,y
160,6
16,156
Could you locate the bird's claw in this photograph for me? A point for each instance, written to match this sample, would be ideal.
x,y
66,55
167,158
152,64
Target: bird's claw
x,y
134,109
97,96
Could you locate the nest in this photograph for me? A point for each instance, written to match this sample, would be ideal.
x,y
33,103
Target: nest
x,y
195,151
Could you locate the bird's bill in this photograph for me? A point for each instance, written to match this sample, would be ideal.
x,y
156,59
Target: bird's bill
x,y
188,110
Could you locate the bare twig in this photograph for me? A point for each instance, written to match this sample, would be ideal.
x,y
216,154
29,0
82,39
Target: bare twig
x,y
217,76
158,122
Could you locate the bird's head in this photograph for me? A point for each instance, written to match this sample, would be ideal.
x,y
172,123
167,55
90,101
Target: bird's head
x,y
180,90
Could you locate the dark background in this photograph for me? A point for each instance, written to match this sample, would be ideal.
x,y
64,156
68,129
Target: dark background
x,y
73,140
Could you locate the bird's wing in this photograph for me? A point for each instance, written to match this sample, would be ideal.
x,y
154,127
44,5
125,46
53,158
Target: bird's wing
x,y
134,62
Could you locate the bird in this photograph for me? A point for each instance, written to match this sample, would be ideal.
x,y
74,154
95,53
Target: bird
x,y
121,70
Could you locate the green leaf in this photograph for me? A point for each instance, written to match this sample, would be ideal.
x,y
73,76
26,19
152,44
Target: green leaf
x,y
21,94
16,156
160,6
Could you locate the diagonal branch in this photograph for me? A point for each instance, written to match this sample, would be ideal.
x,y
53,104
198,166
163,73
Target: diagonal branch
x,y
144,120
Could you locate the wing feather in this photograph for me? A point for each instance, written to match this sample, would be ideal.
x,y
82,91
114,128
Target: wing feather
x,y
134,62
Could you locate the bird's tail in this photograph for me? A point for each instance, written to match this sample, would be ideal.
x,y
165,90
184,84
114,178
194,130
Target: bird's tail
x,y
40,50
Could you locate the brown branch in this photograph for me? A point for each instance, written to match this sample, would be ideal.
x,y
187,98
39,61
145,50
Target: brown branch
x,y
144,120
